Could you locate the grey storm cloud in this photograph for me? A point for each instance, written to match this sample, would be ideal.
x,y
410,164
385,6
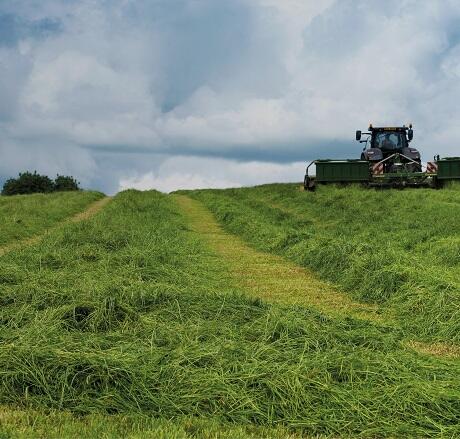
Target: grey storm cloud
x,y
117,91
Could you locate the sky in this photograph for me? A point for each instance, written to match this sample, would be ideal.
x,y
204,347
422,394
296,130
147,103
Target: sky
x,y
169,94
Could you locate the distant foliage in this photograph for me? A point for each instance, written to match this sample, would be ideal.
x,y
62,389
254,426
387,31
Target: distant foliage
x,y
31,183
28,183
65,183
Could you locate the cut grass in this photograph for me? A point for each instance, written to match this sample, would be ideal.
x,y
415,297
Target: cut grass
x,y
33,424
443,350
270,277
129,322
398,249
93,208
24,216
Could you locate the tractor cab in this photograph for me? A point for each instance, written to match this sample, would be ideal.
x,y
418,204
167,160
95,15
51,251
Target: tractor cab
x,y
390,145
389,141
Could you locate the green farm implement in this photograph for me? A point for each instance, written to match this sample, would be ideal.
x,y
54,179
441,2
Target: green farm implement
x,y
387,160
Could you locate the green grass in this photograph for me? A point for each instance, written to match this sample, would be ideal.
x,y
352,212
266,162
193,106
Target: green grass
x,y
32,424
399,249
23,216
127,323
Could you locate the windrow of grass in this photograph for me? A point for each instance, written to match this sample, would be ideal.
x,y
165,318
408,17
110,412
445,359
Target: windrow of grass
x,y
399,249
23,216
130,315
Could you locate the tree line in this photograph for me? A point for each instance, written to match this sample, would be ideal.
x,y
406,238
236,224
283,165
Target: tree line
x,y
31,183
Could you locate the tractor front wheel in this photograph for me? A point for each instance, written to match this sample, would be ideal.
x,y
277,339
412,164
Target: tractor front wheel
x,y
309,184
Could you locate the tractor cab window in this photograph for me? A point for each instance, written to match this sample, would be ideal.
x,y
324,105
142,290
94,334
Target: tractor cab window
x,y
389,140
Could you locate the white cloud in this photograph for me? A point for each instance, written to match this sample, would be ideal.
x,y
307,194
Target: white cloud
x,y
198,173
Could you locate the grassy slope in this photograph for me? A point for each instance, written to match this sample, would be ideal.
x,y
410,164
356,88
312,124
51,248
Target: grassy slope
x,y
397,248
130,314
23,216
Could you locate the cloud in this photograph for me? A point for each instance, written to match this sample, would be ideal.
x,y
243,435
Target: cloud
x,y
247,80
198,173
13,28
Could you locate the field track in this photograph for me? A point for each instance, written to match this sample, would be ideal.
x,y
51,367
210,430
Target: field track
x,y
90,211
80,216
269,276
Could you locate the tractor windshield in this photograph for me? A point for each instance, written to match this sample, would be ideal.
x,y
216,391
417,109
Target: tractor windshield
x,y
389,140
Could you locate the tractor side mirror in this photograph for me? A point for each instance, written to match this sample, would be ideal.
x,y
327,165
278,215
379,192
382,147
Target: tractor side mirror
x,y
358,135
410,134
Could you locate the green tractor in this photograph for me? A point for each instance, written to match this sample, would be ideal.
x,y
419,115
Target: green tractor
x,y
387,160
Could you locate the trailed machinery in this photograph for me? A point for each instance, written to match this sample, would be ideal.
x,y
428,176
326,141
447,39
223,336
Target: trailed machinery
x,y
387,160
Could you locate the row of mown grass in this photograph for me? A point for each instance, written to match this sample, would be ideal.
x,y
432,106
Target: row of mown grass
x,y
23,216
129,316
396,248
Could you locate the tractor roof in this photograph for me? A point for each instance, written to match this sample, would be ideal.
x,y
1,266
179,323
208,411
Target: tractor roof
x,y
402,129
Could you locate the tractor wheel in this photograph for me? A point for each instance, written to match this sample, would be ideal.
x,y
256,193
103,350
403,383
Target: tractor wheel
x,y
438,184
309,184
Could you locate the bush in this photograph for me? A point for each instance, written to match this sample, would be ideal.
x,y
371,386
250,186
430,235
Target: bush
x,y
63,183
28,183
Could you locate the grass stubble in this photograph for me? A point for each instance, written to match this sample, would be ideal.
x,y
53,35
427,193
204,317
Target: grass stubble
x,y
128,324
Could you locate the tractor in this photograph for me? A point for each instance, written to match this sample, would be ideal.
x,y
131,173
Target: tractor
x,y
387,160
390,148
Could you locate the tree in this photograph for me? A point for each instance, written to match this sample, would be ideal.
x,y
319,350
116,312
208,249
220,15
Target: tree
x,y
65,183
28,183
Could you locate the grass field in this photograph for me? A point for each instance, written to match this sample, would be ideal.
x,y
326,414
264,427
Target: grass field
x,y
397,249
23,216
130,324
